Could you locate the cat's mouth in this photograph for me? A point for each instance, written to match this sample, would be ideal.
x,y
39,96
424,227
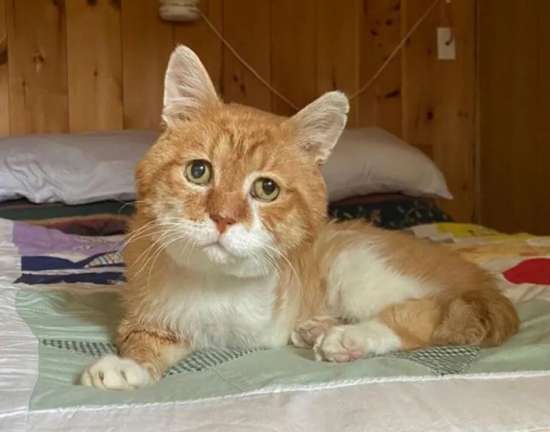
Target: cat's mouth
x,y
215,244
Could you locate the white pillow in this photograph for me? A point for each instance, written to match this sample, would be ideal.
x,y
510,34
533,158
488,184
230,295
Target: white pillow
x,y
81,168
371,160
72,168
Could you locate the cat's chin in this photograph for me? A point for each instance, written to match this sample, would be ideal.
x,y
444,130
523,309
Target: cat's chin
x,y
217,254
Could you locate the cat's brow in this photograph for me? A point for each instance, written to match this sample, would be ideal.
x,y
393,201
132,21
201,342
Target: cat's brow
x,y
252,148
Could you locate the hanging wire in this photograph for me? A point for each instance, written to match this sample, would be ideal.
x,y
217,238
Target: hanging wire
x,y
355,94
245,63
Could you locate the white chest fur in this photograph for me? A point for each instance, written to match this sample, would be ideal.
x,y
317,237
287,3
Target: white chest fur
x,y
215,310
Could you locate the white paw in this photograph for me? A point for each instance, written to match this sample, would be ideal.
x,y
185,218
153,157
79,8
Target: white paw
x,y
115,373
340,344
306,333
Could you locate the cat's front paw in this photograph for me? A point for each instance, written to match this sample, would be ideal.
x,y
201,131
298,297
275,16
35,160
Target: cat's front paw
x,y
340,344
115,373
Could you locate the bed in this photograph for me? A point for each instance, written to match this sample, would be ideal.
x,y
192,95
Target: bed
x,y
61,271
58,306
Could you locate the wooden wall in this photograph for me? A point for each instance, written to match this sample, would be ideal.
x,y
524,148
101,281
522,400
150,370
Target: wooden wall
x,y
514,82
77,65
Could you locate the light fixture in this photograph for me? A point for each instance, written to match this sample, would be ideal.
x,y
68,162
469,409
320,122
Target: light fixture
x,y
179,10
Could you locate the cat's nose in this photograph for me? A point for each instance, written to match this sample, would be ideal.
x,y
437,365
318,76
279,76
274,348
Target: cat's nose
x,y
222,222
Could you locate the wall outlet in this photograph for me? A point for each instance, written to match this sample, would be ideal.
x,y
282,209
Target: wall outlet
x,y
446,47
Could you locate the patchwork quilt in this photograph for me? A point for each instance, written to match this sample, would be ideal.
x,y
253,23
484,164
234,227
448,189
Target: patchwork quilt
x,y
97,218
104,218
59,308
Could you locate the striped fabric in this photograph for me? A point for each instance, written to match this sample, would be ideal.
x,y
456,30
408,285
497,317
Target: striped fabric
x,y
197,362
441,360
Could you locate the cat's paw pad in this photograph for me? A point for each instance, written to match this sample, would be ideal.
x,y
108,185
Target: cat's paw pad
x,y
305,335
340,344
115,373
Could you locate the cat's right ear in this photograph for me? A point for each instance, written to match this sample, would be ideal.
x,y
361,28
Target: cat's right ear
x,y
187,87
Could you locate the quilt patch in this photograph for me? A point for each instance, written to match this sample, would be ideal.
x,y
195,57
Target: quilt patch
x,y
196,362
440,360
443,360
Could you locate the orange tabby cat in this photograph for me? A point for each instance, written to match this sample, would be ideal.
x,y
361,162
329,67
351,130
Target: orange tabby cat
x,y
230,246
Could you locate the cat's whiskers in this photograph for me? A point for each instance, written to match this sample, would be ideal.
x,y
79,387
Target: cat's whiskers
x,y
163,247
187,249
142,259
284,258
274,256
271,261
157,230
160,230
137,233
154,247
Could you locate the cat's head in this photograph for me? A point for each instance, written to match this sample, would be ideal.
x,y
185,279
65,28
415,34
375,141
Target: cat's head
x,y
230,188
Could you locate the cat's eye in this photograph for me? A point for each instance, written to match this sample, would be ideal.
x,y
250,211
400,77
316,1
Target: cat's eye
x,y
265,189
198,172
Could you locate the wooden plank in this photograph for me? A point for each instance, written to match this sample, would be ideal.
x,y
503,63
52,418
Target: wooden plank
x,y
246,25
147,42
4,76
37,66
454,136
380,105
94,65
514,113
338,49
541,151
293,53
418,69
198,36
439,98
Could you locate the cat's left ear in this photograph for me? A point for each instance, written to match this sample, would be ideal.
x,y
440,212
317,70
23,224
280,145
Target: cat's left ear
x,y
187,87
319,125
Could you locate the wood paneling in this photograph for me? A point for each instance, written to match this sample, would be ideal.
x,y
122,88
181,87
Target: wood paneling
x,y
514,115
338,36
146,45
438,98
100,65
200,39
37,66
419,68
239,85
94,59
4,84
293,52
380,34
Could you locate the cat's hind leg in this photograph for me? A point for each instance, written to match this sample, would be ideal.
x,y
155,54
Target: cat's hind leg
x,y
306,333
351,342
404,326
479,317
